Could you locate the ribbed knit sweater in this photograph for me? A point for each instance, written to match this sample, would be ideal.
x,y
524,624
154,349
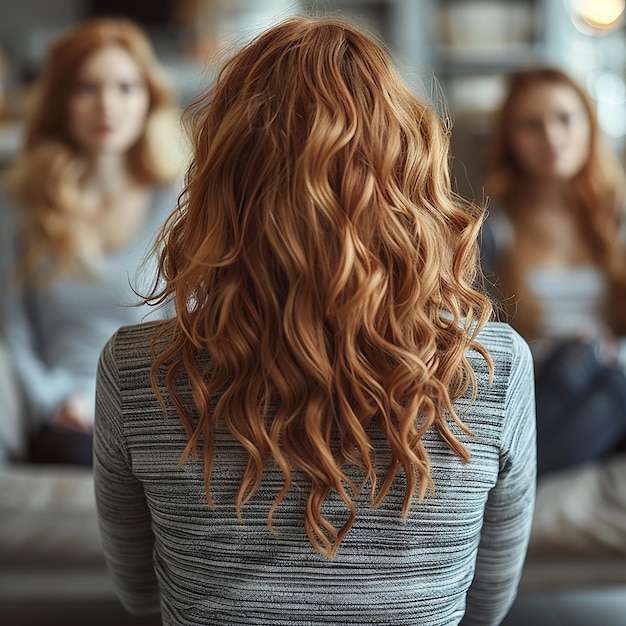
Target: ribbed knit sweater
x,y
456,558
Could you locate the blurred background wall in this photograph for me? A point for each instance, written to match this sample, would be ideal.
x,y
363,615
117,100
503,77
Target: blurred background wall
x,y
456,52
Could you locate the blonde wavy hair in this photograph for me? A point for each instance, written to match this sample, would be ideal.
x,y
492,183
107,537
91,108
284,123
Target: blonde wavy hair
x,y
322,271
596,195
45,177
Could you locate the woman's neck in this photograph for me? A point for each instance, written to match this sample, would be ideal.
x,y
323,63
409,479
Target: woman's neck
x,y
112,205
106,176
542,194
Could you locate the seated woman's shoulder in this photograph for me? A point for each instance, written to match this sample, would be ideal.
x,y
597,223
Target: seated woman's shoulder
x,y
501,338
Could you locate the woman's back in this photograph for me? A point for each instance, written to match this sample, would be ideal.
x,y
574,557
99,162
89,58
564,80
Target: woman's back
x,y
213,568
324,371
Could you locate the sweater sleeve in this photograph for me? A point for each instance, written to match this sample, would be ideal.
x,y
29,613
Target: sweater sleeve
x,y
508,513
123,513
44,388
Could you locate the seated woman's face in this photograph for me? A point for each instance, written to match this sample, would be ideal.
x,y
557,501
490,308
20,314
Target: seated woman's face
x,y
550,131
108,108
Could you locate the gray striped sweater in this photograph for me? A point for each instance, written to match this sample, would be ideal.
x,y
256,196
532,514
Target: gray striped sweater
x,y
456,558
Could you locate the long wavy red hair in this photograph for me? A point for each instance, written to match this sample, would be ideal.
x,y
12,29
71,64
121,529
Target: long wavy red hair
x,y
322,271
44,178
596,195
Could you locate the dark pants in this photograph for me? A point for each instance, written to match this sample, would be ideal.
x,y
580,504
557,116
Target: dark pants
x,y
65,447
581,408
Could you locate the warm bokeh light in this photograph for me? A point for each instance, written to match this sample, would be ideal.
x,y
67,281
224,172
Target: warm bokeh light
x,y
599,14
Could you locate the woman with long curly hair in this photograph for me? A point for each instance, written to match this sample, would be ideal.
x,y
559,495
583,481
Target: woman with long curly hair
x,y
559,257
91,187
329,430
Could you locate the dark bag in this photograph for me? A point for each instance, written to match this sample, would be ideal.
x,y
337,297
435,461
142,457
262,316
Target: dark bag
x,y
581,407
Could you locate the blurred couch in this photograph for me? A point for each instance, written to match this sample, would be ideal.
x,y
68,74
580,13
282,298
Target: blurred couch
x,y
52,569
50,552
579,529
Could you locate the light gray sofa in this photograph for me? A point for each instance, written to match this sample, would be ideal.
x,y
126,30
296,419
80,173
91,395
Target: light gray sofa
x,y
52,569
50,548
579,529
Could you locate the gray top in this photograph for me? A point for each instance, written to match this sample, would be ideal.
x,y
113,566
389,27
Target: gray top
x,y
572,300
55,332
458,552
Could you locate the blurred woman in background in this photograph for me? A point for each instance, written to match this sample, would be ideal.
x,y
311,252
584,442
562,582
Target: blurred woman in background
x,y
348,439
559,259
92,185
